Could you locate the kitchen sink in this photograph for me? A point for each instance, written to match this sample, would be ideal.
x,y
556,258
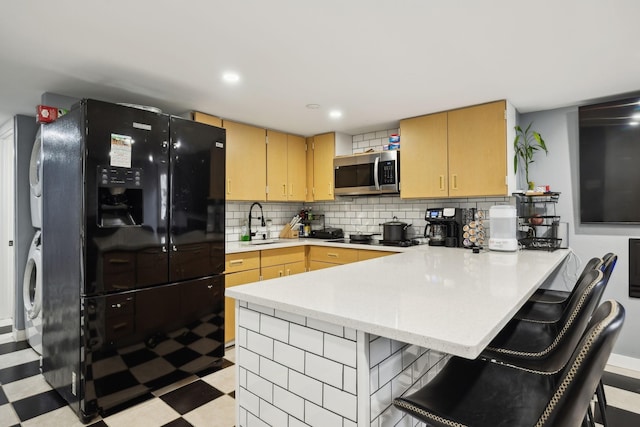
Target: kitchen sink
x,y
263,241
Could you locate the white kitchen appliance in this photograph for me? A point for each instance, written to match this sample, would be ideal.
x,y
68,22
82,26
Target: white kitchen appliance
x,y
503,225
32,295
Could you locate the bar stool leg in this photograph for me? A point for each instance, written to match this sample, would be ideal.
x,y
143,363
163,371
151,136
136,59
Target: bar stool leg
x,y
602,403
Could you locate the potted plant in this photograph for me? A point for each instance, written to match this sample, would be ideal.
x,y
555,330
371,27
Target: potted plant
x,y
526,143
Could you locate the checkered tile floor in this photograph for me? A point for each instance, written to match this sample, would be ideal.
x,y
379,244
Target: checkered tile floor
x,y
26,399
206,399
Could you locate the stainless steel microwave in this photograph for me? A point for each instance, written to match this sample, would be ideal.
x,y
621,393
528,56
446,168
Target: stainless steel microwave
x,y
368,173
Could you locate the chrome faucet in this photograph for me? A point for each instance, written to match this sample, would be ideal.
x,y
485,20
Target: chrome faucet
x,y
261,218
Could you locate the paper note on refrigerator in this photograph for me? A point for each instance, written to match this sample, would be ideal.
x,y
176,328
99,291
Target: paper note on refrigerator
x,y
121,150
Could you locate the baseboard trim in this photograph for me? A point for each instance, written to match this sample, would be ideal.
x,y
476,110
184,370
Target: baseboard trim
x,y
624,362
19,334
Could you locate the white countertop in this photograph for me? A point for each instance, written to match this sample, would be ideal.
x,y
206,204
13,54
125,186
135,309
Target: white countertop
x,y
447,299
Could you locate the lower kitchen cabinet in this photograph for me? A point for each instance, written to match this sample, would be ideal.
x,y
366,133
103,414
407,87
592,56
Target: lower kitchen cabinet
x,y
364,254
240,268
319,256
282,262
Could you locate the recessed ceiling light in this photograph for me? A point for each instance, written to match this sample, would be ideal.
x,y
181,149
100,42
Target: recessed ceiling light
x,y
635,116
231,77
633,123
335,114
313,106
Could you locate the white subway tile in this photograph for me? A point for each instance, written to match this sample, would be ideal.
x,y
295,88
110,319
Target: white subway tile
x,y
242,418
350,380
291,317
242,377
249,360
382,134
349,423
401,382
391,416
305,338
249,319
305,387
342,403
274,328
410,354
272,415
374,383
316,416
330,328
294,422
260,387
325,370
241,337
397,345
288,402
370,135
357,138
379,350
380,400
390,367
421,366
248,400
288,355
253,421
274,372
260,344
340,349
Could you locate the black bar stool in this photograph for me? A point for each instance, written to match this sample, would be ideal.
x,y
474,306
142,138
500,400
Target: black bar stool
x,y
480,393
552,311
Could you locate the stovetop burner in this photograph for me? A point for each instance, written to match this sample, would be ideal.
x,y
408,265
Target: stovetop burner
x,y
399,243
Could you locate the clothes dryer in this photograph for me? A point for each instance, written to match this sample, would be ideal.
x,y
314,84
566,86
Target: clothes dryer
x,y
35,181
32,294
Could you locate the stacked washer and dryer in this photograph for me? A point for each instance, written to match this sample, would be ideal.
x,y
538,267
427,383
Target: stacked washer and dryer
x,y
32,284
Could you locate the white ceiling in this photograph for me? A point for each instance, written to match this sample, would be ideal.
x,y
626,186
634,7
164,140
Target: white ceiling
x,y
376,60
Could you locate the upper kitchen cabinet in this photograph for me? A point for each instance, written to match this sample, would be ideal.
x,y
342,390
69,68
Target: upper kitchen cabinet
x,y
458,153
246,162
323,154
424,171
197,116
309,171
477,141
286,167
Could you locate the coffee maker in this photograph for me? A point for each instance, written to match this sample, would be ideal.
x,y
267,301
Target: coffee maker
x,y
443,227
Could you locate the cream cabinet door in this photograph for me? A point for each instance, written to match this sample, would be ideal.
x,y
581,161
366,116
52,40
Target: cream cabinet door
x,y
276,166
323,154
478,150
197,116
231,280
246,162
424,171
296,168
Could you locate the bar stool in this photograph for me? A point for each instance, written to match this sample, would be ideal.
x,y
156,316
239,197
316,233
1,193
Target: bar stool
x,y
480,393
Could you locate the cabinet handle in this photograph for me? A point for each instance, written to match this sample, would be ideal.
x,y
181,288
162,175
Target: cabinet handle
x,y
332,255
236,262
280,273
228,186
284,189
441,182
288,272
454,180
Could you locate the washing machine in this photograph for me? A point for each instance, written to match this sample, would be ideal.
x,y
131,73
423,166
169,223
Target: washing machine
x,y
32,294
35,181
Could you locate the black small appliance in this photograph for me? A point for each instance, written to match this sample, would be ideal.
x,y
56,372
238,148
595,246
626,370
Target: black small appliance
x,y
443,227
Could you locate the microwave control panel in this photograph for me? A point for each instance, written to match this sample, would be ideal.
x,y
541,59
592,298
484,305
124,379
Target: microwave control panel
x,y
388,172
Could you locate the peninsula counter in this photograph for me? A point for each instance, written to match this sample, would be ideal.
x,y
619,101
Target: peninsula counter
x,y
333,347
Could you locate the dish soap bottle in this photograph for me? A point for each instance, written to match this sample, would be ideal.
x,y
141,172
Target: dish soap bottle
x,y
244,232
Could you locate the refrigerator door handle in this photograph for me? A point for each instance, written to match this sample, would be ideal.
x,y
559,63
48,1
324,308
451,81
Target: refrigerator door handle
x,y
174,248
165,146
164,249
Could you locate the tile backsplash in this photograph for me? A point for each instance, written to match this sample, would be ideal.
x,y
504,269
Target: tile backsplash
x,y
362,214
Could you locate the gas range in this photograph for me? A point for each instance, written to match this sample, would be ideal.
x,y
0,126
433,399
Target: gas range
x,y
397,243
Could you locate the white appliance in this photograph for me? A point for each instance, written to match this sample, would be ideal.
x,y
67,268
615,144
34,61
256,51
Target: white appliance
x,y
503,226
35,182
32,294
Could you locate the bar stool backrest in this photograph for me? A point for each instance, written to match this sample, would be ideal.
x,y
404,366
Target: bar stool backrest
x,y
577,383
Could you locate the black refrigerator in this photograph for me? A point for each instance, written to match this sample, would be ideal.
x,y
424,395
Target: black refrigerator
x,y
133,258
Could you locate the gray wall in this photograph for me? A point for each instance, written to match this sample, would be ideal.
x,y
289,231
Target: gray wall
x,y
25,128
559,169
